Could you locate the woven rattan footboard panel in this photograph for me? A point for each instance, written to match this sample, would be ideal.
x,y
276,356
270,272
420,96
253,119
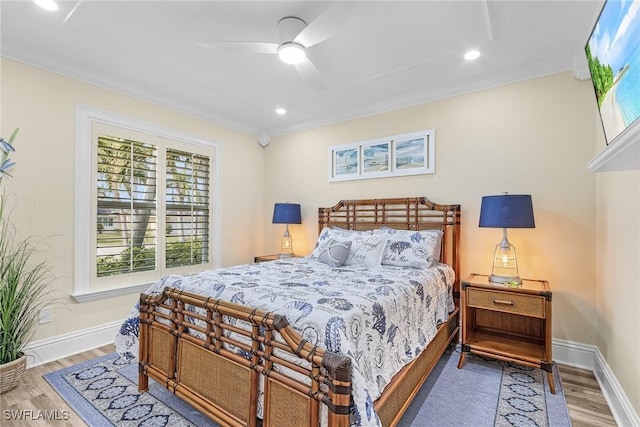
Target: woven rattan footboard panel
x,y
222,381
189,344
287,407
161,355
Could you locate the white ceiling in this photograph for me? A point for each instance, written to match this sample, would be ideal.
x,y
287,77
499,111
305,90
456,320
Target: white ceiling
x,y
388,54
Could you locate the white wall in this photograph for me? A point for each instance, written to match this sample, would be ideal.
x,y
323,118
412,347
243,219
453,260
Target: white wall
x,y
533,137
42,105
618,277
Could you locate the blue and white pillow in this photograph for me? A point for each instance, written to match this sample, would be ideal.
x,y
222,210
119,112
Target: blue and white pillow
x,y
366,247
406,248
323,240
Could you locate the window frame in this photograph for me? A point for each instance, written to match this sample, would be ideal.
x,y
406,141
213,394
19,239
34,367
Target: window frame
x,y
85,278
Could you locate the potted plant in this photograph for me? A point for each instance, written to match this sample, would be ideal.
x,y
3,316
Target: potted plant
x,y
24,287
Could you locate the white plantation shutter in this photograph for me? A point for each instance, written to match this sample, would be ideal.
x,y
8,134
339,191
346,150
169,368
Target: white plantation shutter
x,y
126,206
187,208
152,205
146,204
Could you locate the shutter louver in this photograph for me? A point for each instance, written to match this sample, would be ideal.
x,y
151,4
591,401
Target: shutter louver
x,y
126,206
187,208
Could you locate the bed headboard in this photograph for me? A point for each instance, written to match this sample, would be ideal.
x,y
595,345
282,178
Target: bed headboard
x,y
417,213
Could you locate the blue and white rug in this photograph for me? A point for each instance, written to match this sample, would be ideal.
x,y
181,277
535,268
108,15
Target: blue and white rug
x,y
487,392
484,393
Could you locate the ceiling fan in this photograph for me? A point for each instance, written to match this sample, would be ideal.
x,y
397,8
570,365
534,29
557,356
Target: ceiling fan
x,y
295,37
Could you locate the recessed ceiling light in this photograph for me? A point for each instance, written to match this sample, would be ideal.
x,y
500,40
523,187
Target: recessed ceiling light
x,y
291,53
47,4
281,111
471,55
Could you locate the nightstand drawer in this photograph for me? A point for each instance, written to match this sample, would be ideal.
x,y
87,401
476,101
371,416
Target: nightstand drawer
x,y
507,302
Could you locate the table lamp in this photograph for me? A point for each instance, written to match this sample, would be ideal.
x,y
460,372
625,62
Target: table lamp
x,y
506,211
286,213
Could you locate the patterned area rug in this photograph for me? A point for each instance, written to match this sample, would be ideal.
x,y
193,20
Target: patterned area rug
x,y
104,392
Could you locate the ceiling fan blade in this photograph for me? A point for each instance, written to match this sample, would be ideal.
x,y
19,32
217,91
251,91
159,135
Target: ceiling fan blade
x,y
326,25
239,46
73,10
310,74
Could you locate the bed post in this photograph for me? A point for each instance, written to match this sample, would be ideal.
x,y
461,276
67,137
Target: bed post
x,y
339,371
143,356
455,249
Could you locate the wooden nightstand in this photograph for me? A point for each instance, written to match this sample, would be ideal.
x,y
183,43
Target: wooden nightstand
x,y
265,258
505,323
274,257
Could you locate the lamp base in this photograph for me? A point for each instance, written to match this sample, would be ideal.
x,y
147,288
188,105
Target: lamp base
x,y
505,280
286,255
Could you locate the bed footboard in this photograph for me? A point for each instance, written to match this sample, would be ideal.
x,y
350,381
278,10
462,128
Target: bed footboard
x,y
234,363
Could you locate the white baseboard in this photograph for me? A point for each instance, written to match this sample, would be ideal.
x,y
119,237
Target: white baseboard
x,y
565,352
61,346
589,357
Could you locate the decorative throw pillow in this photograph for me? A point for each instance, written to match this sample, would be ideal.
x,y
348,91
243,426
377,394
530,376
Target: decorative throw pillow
x,y
420,249
333,233
366,249
321,243
335,253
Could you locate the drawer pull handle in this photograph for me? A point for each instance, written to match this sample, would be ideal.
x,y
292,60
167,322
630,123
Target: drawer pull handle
x,y
503,302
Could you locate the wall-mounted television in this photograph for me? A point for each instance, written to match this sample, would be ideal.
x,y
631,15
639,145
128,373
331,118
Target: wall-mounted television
x,y
613,54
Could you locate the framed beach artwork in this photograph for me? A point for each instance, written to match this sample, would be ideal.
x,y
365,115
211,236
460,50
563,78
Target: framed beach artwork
x,y
376,159
613,55
398,155
345,163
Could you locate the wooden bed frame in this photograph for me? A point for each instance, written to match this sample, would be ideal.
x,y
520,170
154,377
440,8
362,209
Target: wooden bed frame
x,y
298,380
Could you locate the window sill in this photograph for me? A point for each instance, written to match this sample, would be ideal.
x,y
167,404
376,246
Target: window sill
x,y
109,293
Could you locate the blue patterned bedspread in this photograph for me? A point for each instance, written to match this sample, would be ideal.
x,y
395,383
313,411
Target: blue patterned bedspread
x,y
381,318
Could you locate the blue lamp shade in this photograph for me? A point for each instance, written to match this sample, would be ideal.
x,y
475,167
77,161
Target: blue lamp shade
x,y
287,213
507,211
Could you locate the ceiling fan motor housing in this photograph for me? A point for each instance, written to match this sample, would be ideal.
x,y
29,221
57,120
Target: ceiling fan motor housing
x,y
289,28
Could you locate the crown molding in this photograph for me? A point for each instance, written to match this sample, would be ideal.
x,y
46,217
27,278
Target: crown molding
x,y
521,73
102,81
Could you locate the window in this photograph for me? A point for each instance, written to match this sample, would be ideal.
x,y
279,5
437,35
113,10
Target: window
x,y
126,197
187,209
150,193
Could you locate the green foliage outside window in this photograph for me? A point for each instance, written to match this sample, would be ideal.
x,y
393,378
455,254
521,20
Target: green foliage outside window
x,y
144,258
184,253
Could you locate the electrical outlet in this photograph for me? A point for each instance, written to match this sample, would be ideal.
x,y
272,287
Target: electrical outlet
x,y
45,314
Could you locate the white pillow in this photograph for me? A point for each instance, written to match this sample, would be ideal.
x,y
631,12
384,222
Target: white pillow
x,y
322,242
405,248
366,247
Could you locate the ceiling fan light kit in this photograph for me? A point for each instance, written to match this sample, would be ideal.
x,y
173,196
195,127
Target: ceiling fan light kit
x,y
47,5
294,38
291,53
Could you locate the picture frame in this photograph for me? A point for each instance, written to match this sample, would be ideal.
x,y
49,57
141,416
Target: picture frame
x,y
398,155
345,162
376,159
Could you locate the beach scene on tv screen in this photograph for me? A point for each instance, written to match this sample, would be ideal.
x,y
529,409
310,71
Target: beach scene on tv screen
x,y
613,53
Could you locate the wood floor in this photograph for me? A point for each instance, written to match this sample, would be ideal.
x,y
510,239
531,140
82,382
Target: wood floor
x,y
586,403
